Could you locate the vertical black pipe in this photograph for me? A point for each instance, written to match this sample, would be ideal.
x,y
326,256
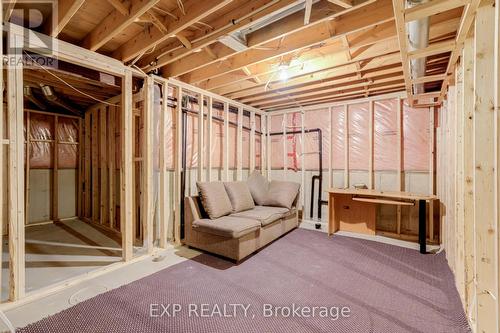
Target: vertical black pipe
x,y
422,232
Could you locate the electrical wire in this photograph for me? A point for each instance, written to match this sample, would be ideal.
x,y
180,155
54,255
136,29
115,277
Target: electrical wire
x,y
69,84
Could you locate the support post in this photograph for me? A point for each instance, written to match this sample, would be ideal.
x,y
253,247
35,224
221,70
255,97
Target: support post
x,y
285,146
268,149
330,151
370,145
302,160
55,173
225,143
147,153
209,138
239,145
485,166
127,164
201,137
16,170
163,195
252,142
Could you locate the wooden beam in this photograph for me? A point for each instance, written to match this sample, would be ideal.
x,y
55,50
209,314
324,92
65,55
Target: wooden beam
x,y
252,142
307,12
209,138
342,3
368,47
239,145
8,9
243,16
399,11
119,6
428,78
183,39
465,24
312,34
431,8
145,40
201,137
371,182
225,143
114,23
126,169
147,166
55,174
15,113
485,167
433,49
66,9
163,199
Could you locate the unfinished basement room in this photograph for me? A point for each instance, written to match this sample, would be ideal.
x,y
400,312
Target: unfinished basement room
x,y
250,166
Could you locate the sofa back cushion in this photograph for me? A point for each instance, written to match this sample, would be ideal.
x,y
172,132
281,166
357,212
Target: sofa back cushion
x,y
282,193
214,199
258,186
239,195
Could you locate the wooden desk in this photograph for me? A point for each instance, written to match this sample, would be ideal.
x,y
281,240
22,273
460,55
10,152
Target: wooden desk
x,y
355,210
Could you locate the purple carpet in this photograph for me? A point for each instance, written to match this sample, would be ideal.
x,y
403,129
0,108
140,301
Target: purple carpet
x,y
303,282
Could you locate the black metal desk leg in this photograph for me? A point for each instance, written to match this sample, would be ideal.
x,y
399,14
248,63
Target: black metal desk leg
x,y
422,230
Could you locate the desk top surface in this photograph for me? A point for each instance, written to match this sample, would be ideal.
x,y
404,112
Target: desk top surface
x,y
385,194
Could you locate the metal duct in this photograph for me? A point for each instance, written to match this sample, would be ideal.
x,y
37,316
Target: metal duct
x,y
418,34
49,94
28,93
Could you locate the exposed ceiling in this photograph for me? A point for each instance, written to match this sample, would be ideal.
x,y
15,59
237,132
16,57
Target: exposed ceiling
x,y
274,54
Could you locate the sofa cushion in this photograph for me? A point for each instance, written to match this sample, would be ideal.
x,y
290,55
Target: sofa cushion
x,y
258,186
239,195
282,193
227,226
264,214
214,199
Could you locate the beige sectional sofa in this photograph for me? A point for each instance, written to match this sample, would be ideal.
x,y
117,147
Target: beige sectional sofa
x,y
239,233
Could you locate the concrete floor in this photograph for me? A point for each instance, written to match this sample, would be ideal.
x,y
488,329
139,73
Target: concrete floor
x,y
56,252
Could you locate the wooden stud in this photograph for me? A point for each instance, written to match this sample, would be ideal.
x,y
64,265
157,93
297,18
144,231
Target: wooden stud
x,y
225,143
285,146
209,139
80,170
485,145
370,145
15,113
55,173
346,146
330,151
111,135
458,172
201,137
27,170
468,171
126,170
103,169
147,166
268,146
95,170
239,145
163,205
178,167
252,143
